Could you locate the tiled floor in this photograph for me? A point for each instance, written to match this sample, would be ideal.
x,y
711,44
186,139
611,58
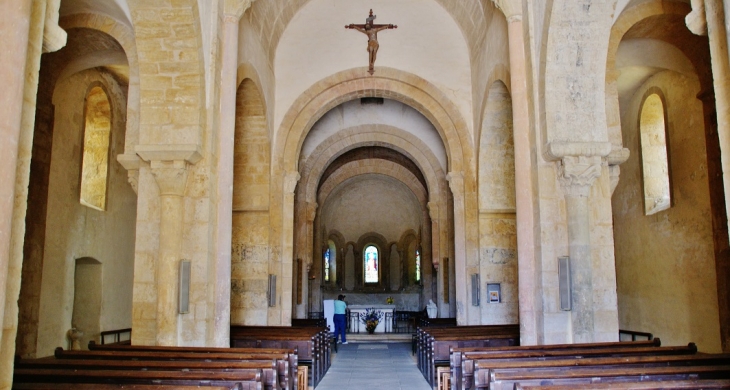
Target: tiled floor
x,y
370,366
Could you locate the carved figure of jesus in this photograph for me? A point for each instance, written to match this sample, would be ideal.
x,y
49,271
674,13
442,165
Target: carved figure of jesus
x,y
371,30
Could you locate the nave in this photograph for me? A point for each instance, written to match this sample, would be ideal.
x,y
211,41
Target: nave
x,y
367,366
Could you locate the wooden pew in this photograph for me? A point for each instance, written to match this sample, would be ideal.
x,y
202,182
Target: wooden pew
x,y
238,380
268,367
287,373
459,355
476,371
525,366
274,366
706,384
98,386
506,380
312,344
435,343
309,322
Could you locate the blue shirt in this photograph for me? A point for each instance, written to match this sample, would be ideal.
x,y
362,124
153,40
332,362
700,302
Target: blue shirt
x,y
340,307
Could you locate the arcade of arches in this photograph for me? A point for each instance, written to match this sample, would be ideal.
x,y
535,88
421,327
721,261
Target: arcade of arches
x,y
247,136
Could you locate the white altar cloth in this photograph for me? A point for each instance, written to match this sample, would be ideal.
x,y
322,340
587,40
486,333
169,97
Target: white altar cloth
x,y
359,309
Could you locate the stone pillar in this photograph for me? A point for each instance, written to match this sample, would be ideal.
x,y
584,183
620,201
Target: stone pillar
x,y
718,36
577,174
310,215
15,21
224,168
456,183
282,312
15,16
714,22
171,178
530,291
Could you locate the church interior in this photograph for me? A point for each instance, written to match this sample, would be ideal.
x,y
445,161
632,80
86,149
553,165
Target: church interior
x,y
563,165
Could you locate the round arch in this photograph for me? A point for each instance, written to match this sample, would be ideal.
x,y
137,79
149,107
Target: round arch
x,y
387,136
123,34
389,83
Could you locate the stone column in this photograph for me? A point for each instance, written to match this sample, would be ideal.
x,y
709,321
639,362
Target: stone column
x,y
310,215
15,16
706,18
171,178
577,174
285,260
530,291
224,168
712,23
15,22
456,183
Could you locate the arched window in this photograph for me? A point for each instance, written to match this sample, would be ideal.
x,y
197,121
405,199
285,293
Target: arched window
x,y
97,128
327,265
418,266
655,163
371,264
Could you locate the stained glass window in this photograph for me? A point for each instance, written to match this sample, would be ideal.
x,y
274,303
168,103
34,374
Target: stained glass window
x,y
418,265
327,265
371,264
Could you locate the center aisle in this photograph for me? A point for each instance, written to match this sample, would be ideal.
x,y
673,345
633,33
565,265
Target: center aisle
x,y
368,366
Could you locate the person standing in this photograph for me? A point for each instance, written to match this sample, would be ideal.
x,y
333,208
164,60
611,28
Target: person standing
x,y
339,318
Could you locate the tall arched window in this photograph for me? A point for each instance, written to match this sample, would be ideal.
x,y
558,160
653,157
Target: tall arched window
x,y
655,163
97,128
418,265
327,265
370,262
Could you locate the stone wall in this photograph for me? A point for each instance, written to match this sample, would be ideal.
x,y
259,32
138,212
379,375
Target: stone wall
x,y
74,231
250,237
665,261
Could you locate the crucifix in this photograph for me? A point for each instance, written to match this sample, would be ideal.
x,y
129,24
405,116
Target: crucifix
x,y
371,30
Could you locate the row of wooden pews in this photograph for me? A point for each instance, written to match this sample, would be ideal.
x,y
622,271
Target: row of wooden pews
x,y
620,365
434,343
159,368
313,344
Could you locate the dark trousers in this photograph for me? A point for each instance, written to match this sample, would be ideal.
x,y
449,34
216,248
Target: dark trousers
x,y
340,325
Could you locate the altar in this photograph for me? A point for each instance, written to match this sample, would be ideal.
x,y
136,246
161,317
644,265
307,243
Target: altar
x,y
356,325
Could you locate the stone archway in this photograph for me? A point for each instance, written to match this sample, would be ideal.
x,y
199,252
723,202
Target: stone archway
x,y
416,93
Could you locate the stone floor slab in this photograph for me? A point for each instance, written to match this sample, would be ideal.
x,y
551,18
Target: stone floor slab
x,y
371,366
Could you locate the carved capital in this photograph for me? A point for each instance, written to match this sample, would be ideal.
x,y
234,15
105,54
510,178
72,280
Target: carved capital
x,y
557,150
618,156
456,183
189,153
54,37
433,210
171,177
578,173
235,9
696,20
290,181
512,9
133,179
311,211
131,162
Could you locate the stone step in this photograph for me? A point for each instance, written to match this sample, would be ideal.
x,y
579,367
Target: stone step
x,y
378,337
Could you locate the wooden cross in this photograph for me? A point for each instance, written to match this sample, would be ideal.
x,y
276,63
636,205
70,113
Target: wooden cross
x,y
371,30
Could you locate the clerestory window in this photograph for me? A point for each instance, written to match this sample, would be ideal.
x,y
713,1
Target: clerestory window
x,y
655,162
95,163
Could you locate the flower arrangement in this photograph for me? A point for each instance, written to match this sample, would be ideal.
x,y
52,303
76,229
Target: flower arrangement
x,y
371,318
389,300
